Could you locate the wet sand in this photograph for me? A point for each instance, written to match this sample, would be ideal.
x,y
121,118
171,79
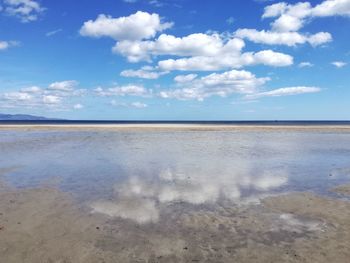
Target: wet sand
x,y
180,214
342,189
46,225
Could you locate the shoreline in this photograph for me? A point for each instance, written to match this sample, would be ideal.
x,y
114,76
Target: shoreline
x,y
175,127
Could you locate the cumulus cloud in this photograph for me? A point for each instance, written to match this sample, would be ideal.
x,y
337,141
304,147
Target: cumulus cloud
x,y
136,40
127,90
292,17
339,64
141,25
17,96
274,10
283,38
332,8
51,99
25,10
192,45
216,84
201,63
185,78
56,96
32,89
319,38
288,91
66,85
145,72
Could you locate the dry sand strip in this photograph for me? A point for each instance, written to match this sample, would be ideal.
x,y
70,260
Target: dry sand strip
x,y
173,127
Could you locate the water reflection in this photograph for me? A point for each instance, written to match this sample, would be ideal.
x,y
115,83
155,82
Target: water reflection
x,y
140,198
136,209
136,175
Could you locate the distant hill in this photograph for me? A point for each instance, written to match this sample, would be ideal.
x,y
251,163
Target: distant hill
x,y
21,117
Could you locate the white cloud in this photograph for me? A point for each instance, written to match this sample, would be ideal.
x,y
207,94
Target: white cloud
x,y
185,78
198,51
201,63
288,91
140,25
139,105
332,8
145,72
7,44
192,45
319,38
17,96
305,64
32,89
339,64
78,106
54,32
271,58
156,3
292,17
25,10
274,10
4,45
136,104
127,90
55,97
216,84
115,103
14,99
66,85
51,99
283,38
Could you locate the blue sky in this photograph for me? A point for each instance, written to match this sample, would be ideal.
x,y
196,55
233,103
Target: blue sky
x,y
176,59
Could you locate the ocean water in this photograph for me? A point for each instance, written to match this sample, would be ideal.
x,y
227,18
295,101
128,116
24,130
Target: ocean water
x,y
132,175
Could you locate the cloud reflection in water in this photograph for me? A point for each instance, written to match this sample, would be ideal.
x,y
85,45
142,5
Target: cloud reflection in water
x,y
139,197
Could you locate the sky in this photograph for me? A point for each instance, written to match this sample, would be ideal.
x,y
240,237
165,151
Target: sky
x,y
176,59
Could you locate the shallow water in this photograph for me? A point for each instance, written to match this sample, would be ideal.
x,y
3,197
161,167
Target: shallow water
x,y
134,175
